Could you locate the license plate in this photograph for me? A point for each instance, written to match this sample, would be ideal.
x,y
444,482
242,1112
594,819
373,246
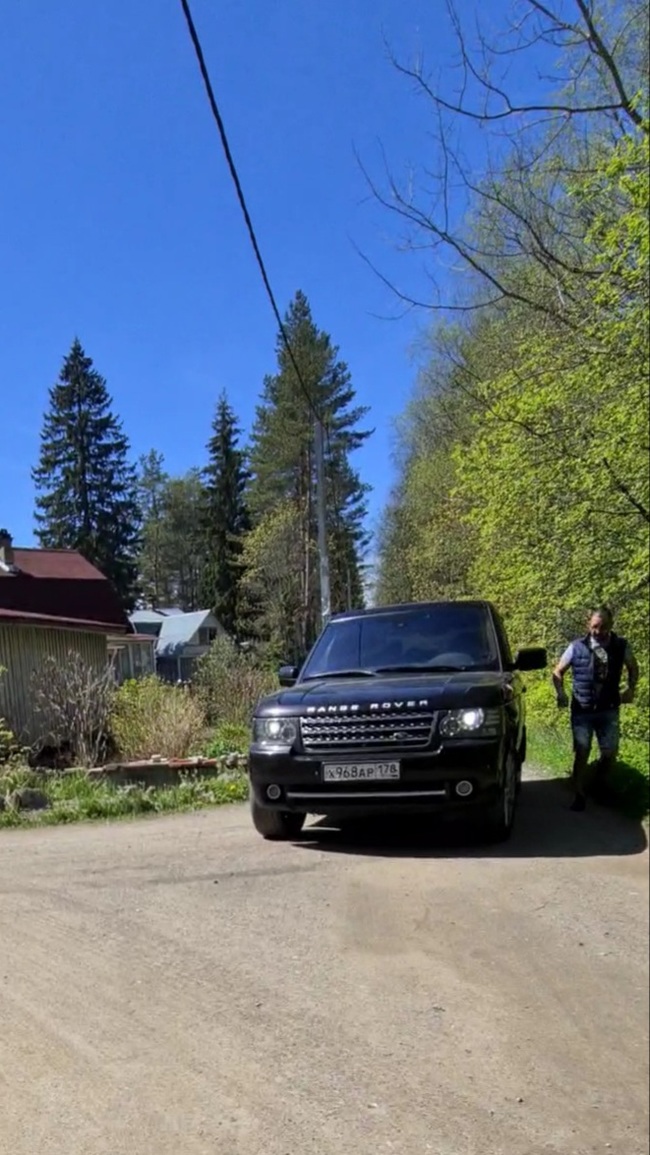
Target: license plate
x,y
360,771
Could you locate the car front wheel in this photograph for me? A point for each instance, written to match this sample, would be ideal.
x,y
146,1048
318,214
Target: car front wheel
x,y
276,825
498,820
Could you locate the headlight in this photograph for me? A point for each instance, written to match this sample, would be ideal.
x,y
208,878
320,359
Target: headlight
x,y
481,723
275,731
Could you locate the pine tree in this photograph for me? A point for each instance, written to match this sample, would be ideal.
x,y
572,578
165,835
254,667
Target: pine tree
x,y
153,483
225,517
86,486
283,467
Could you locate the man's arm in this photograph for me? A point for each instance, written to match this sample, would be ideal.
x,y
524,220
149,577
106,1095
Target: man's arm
x,y
632,667
565,663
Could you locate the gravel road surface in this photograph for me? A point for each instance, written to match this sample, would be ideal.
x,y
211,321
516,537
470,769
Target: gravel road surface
x,y
178,986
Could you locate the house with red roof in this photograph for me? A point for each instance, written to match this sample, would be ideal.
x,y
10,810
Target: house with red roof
x,y
53,603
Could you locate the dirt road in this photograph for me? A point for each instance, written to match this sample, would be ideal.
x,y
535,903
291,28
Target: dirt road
x,y
178,986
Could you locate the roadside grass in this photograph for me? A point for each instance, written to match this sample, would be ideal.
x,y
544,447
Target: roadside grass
x,y
549,749
73,797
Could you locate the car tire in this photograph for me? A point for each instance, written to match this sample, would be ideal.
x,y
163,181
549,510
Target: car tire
x,y
521,760
518,776
276,825
498,820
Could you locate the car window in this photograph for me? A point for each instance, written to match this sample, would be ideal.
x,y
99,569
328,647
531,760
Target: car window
x,y
446,635
504,642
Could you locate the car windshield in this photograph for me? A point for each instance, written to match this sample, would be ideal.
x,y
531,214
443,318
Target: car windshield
x,y
443,637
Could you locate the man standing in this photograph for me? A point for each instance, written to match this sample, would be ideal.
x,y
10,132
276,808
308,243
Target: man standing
x,y
596,662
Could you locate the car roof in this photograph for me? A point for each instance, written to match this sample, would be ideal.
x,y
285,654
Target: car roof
x,y
402,607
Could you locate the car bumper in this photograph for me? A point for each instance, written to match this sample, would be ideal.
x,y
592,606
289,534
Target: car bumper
x,y
427,780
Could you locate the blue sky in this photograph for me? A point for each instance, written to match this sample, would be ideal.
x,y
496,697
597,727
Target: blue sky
x,y
120,224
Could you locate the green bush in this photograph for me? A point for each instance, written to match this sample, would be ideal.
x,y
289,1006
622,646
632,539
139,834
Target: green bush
x,y
229,683
152,717
8,744
228,738
17,777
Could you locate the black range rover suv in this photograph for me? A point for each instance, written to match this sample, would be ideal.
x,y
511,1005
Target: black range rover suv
x,y
396,708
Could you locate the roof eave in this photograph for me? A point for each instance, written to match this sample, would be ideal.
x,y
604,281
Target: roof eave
x,y
43,621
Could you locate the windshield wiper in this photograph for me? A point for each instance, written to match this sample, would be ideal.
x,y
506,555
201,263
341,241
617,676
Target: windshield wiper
x,y
341,674
419,667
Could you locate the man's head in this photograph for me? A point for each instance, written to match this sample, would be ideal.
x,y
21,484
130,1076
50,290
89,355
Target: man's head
x,y
600,624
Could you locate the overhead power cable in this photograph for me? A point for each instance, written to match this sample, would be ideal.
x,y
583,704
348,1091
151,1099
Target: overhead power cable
x,y
194,36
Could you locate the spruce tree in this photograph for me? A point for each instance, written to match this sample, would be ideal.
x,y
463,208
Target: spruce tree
x,y
225,517
86,486
283,467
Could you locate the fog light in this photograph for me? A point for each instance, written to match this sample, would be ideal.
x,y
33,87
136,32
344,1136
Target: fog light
x,y
464,789
273,792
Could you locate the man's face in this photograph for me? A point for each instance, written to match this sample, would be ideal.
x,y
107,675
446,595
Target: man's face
x,y
600,628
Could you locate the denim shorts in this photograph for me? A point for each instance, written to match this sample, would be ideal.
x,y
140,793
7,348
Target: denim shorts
x,y
604,724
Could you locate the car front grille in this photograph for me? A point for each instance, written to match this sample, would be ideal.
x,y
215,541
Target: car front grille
x,y
382,729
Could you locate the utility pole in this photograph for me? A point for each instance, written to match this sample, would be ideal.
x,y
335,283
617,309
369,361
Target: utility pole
x,y
321,519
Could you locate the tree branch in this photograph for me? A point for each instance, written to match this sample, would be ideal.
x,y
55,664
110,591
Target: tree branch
x,y
623,488
608,60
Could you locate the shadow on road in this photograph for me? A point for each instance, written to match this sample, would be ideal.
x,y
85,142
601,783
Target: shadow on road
x,y
545,828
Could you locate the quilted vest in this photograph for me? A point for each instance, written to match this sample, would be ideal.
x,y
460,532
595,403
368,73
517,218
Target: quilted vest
x,y
588,694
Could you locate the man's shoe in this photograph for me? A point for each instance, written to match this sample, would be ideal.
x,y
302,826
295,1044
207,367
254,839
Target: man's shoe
x,y
579,804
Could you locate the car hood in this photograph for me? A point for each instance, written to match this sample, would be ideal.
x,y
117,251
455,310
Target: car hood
x,y
439,691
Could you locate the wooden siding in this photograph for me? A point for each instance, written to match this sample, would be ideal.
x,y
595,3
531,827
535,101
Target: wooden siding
x,y
22,651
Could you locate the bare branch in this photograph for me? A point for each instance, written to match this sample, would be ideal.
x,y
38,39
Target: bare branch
x,y
509,109
74,702
521,197
607,58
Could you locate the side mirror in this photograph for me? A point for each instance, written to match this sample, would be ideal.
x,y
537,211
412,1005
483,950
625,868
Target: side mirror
x,y
531,658
288,675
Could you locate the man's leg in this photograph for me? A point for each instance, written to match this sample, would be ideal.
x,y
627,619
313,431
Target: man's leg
x,y
583,730
607,729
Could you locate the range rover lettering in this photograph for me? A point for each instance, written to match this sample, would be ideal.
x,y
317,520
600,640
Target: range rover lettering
x,y
396,709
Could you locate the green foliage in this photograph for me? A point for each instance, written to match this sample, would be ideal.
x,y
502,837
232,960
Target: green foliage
x,y
524,470
74,797
225,519
12,755
173,555
228,738
228,684
6,735
151,717
184,542
192,528
86,486
16,777
9,748
277,561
